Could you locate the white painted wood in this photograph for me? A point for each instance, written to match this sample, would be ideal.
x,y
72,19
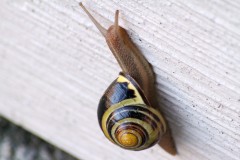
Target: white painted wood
x,y
55,65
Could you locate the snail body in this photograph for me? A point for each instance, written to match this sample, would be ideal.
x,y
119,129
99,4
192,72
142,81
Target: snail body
x,y
127,112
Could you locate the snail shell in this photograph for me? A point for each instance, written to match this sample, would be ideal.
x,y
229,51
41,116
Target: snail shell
x,y
126,116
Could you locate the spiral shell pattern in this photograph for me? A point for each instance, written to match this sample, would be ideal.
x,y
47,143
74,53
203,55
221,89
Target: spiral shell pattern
x,y
126,117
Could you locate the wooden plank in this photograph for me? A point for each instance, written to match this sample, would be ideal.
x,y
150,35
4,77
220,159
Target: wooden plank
x,y
55,65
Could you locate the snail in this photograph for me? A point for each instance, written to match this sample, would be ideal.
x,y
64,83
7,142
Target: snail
x,y
127,112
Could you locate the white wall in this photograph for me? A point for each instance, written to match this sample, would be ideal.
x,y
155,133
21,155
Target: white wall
x,y
55,65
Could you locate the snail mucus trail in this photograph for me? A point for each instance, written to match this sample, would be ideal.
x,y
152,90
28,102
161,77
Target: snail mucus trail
x,y
127,111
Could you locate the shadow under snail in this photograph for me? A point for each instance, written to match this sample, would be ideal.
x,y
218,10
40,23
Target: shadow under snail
x,y
127,112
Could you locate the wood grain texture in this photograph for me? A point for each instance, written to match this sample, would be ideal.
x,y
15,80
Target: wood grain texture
x,y
55,65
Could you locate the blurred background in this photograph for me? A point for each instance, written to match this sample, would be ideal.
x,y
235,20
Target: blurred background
x,y
18,144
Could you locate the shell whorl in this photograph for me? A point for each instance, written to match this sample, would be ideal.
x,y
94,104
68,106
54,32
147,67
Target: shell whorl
x,y
127,118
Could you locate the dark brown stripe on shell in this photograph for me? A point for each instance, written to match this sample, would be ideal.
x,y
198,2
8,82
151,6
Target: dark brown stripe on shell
x,y
132,112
